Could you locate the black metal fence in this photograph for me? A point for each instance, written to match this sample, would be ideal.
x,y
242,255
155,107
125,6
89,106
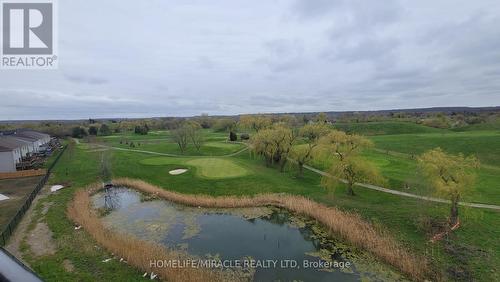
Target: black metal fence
x,y
7,232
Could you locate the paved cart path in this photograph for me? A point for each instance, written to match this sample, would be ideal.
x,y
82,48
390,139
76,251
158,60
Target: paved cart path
x,y
404,194
175,155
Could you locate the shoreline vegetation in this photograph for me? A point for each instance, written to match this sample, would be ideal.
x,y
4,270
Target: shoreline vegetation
x,y
137,253
349,226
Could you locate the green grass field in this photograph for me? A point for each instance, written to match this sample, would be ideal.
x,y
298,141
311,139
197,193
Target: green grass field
x,y
484,144
472,249
214,168
217,168
385,128
213,145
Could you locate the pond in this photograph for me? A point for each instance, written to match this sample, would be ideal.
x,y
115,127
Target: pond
x,y
271,242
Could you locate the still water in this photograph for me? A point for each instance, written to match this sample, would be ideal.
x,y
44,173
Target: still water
x,y
282,246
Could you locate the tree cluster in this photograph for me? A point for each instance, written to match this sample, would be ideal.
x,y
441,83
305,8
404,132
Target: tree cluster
x,y
141,129
255,122
189,131
78,132
274,144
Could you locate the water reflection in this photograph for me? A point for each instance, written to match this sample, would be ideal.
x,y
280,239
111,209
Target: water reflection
x,y
233,234
111,199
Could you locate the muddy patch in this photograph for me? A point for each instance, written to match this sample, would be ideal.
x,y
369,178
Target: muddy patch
x,y
40,240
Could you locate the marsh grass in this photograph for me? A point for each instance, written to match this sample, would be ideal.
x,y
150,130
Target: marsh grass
x,y
349,226
138,253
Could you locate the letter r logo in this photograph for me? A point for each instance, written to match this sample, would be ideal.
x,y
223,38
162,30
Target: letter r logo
x,y
27,28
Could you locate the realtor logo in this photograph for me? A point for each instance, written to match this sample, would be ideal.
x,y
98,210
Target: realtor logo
x,y
28,35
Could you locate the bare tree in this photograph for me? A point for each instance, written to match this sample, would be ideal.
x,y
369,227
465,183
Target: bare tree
x,y
180,136
194,133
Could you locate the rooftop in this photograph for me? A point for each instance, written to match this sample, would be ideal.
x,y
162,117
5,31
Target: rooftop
x,y
10,140
5,149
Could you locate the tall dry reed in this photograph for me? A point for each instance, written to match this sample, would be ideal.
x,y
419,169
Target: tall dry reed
x,y
349,226
138,253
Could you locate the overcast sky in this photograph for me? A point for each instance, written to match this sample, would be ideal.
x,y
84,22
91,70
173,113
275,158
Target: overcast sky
x,y
181,58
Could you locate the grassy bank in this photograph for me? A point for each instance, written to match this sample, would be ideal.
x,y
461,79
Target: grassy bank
x,y
136,252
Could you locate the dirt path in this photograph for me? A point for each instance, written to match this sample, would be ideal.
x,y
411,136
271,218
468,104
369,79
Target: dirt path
x,y
21,231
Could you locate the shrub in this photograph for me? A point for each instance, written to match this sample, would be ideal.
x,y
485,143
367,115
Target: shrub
x,y
244,136
92,130
105,130
78,132
232,136
142,130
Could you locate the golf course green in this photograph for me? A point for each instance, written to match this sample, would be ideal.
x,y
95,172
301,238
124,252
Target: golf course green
x,y
211,172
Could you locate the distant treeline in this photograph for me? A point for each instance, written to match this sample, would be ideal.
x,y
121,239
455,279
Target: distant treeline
x,y
445,118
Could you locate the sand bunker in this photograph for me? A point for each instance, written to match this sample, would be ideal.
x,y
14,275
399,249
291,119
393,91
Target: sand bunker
x,y
56,187
3,197
177,171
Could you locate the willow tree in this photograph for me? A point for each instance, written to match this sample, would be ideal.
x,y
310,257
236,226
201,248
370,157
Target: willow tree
x,y
310,133
450,175
274,144
261,144
322,118
255,122
351,170
347,166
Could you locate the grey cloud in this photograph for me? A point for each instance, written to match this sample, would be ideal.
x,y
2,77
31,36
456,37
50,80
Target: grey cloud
x,y
350,16
370,49
205,62
86,79
233,57
306,9
283,55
